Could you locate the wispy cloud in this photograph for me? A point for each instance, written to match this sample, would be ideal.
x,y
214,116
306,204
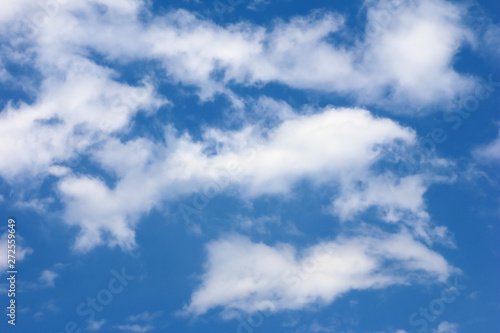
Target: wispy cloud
x,y
146,316
95,325
446,327
489,152
21,250
47,278
135,328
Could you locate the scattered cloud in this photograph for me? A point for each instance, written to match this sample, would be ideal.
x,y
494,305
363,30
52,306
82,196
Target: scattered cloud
x,y
47,278
446,327
146,316
258,224
81,107
490,152
95,325
135,328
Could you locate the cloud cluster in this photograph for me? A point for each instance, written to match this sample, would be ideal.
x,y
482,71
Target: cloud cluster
x,y
81,104
335,147
81,107
383,68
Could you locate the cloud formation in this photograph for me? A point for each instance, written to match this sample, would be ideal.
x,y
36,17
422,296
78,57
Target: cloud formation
x,y
339,146
244,276
382,68
87,85
83,108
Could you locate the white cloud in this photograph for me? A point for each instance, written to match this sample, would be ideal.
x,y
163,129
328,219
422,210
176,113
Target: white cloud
x,y
488,32
146,316
336,145
446,327
58,171
317,327
80,107
393,195
12,9
489,152
395,200
38,205
4,74
245,276
47,278
259,224
384,69
71,113
21,250
395,58
135,328
95,325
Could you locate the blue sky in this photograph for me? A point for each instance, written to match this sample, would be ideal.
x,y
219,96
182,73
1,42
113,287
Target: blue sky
x,y
251,166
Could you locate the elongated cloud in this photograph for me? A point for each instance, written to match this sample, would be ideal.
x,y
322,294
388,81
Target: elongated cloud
x,y
244,276
336,146
380,67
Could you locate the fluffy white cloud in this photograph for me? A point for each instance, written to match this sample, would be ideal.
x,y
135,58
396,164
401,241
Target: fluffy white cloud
x,y
246,276
391,194
72,112
394,200
336,145
394,54
383,69
12,9
80,106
